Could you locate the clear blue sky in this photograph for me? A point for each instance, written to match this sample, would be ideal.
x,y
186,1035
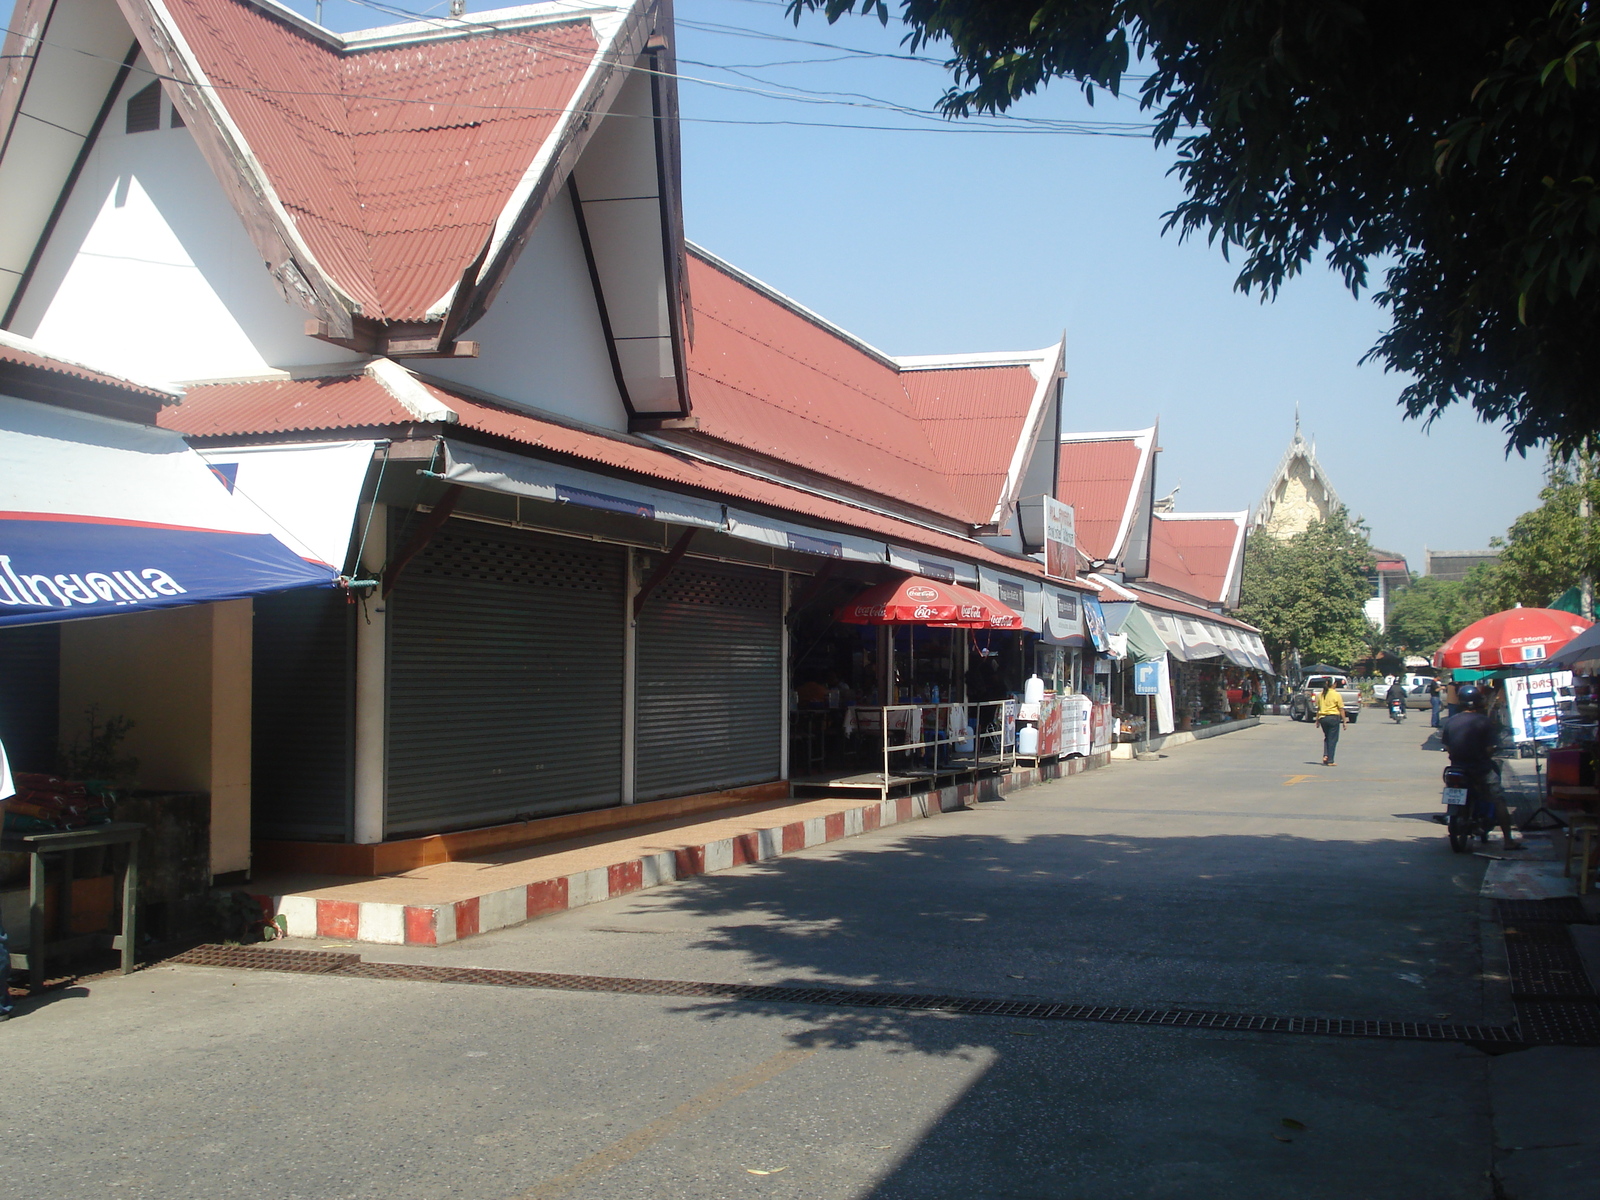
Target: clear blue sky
x,y
925,238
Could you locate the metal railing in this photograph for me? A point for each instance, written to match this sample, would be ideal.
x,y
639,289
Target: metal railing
x,y
990,741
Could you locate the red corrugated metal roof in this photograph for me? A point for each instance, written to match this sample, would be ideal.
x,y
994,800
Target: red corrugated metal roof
x,y
1194,555
973,418
359,401
285,406
1098,479
394,161
646,459
764,377
58,366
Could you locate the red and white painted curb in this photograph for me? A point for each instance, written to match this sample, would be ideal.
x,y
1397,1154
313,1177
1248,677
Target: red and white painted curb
x,y
439,924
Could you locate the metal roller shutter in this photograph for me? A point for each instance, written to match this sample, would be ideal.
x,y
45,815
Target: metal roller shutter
x,y
303,693
505,679
709,709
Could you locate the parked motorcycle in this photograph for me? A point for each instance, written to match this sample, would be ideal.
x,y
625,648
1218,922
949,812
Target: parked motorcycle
x,y
1469,814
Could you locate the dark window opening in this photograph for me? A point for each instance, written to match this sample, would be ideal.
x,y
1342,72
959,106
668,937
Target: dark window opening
x,y
144,109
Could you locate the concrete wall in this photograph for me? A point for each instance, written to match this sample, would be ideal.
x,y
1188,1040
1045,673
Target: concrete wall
x,y
182,675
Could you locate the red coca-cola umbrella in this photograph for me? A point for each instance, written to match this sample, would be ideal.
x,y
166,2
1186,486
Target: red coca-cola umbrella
x,y
916,600
1512,638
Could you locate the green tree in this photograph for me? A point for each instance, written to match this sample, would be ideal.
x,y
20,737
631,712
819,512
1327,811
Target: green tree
x,y
1422,616
1548,549
1453,143
1307,592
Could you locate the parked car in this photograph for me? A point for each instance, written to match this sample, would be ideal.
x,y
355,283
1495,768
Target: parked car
x,y
1416,691
1303,704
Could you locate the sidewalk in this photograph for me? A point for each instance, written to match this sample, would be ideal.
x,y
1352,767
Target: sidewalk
x,y
445,902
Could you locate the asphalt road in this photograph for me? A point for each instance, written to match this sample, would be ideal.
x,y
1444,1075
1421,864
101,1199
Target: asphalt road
x,y
1235,875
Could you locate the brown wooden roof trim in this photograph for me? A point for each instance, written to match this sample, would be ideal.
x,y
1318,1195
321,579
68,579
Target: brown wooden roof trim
x,y
46,386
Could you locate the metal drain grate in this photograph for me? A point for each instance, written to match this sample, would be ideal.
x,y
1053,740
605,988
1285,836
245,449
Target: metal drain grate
x,y
257,958
350,965
1550,989
1567,910
1545,966
1560,1022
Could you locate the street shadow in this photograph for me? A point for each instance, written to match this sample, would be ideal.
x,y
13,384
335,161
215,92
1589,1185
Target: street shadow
x,y
26,1003
1273,924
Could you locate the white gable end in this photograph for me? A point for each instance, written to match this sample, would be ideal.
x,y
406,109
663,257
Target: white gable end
x,y
150,272
542,346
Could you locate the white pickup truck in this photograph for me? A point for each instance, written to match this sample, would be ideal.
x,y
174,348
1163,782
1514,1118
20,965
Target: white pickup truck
x,y
1303,704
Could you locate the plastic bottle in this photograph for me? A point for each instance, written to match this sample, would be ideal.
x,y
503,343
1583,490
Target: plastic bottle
x,y
1028,741
1033,690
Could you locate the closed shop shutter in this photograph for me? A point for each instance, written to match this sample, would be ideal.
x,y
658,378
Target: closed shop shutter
x,y
710,651
303,693
505,679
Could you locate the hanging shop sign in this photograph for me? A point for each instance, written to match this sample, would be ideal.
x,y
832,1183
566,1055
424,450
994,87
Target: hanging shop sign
x,y
1060,539
1094,622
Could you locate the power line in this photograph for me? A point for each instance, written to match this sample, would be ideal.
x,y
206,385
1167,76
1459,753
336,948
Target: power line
x,y
998,122
1006,125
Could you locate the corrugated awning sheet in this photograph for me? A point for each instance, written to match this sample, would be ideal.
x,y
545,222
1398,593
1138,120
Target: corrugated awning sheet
x,y
920,562
1015,591
480,467
1166,627
770,531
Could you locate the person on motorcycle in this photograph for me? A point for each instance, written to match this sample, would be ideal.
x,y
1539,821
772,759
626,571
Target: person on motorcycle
x,y
1396,694
1470,738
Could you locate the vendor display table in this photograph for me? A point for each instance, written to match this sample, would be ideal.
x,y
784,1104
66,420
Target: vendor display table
x,y
36,846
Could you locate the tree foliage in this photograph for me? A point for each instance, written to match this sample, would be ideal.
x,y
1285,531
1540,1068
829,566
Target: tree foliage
x,y
1306,593
1457,143
1422,616
1550,548
1546,551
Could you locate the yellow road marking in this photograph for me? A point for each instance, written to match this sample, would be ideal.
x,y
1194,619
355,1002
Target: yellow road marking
x,y
1294,779
690,1110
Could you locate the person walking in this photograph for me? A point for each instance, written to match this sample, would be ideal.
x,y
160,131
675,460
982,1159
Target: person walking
x,y
1330,716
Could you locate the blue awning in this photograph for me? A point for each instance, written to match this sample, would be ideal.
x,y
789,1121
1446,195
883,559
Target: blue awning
x,y
99,517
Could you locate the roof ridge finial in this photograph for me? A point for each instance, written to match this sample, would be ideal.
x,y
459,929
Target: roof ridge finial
x,y
1297,420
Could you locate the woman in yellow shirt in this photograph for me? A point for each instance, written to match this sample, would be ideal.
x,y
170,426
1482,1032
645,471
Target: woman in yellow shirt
x,y
1330,715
